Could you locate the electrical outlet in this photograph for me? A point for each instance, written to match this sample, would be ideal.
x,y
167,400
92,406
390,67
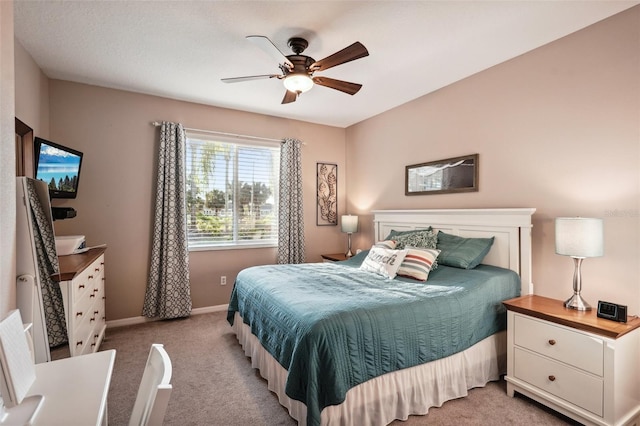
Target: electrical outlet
x,y
223,280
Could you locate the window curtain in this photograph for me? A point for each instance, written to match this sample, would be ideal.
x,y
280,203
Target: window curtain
x,y
290,207
47,263
168,292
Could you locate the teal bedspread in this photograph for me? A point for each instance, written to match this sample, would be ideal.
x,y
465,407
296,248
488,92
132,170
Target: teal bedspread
x,y
333,326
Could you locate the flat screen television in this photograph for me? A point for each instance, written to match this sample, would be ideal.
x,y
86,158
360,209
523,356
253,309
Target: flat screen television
x,y
58,166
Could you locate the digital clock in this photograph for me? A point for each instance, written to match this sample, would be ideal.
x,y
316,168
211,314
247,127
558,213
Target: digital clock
x,y
612,311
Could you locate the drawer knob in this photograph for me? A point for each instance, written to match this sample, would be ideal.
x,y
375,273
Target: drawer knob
x,y
552,378
79,343
78,314
97,269
92,295
81,286
90,277
552,342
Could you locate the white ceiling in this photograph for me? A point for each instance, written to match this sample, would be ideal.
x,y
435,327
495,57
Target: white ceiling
x,y
181,49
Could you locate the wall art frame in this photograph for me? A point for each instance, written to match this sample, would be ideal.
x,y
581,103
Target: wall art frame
x,y
326,194
451,175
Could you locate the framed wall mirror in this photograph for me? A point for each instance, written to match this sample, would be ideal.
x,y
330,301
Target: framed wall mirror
x,y
458,174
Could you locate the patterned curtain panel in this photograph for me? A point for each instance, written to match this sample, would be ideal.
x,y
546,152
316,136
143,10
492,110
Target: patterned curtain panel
x,y
290,221
168,291
45,245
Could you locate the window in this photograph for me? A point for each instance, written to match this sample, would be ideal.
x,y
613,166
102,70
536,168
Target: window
x,y
232,192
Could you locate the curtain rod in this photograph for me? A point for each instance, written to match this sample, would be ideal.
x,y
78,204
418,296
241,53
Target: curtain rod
x,y
234,135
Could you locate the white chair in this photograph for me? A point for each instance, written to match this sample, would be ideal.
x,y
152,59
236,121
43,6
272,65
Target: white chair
x,y
155,389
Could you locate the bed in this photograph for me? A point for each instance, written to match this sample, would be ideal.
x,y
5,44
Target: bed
x,y
339,345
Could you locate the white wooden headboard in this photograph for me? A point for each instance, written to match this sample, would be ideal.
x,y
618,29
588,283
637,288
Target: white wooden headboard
x,y
511,228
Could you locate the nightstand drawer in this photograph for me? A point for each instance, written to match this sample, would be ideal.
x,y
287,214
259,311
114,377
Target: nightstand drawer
x,y
335,257
571,347
574,386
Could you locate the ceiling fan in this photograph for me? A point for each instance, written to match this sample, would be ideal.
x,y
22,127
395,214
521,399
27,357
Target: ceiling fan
x,y
297,69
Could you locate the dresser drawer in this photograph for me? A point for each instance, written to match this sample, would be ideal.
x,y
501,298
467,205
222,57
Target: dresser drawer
x,y
80,285
82,332
81,309
572,385
571,347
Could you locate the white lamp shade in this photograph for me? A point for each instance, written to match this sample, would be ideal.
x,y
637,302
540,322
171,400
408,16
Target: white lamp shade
x,y
298,83
579,237
349,223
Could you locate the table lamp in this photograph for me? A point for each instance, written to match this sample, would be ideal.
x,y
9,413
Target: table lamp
x,y
579,237
349,225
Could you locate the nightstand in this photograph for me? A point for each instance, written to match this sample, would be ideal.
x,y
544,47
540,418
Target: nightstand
x,y
334,257
582,366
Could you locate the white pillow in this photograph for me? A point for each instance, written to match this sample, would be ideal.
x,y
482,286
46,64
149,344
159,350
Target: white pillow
x,y
383,261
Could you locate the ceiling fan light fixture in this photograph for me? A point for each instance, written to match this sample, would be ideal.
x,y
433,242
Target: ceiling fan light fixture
x,y
298,83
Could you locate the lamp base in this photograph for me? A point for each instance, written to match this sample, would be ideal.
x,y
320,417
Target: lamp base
x,y
577,302
348,254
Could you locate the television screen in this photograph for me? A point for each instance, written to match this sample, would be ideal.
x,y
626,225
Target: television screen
x,y
59,167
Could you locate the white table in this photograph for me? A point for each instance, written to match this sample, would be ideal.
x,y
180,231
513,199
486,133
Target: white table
x,y
74,389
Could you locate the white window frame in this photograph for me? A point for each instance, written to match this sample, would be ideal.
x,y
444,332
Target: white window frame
x,y
236,243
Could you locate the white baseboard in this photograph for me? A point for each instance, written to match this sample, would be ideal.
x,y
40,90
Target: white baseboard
x,y
141,320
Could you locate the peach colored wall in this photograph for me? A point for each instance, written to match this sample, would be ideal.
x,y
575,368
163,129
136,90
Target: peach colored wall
x,y
32,87
115,198
556,129
7,163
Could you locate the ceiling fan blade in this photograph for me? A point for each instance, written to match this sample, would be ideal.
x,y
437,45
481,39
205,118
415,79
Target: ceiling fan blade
x,y
350,53
249,77
343,86
268,47
289,97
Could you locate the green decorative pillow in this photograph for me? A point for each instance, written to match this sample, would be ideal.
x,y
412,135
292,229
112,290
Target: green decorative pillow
x,y
395,233
466,253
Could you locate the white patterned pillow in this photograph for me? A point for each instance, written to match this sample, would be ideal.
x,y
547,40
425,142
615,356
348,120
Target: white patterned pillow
x,y
383,261
423,238
418,262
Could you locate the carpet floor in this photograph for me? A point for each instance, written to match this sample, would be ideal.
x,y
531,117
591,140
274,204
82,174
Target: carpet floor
x,y
214,383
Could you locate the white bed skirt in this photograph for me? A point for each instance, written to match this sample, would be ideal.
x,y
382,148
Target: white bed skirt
x,y
397,395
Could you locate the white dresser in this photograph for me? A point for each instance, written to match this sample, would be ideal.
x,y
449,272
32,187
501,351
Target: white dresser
x,y
582,366
82,283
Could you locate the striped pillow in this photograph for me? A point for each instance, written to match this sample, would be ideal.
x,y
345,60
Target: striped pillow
x,y
387,244
418,262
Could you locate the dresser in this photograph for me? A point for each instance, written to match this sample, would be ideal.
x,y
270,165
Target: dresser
x,y
582,366
83,292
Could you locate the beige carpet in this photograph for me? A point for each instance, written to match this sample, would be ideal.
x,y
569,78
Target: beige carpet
x,y
214,384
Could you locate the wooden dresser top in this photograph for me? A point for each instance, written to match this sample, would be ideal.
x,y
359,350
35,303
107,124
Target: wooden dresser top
x,y
553,310
72,264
